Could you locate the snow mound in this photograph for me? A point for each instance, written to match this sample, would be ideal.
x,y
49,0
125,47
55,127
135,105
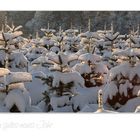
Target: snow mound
x,y
104,111
16,98
86,96
59,101
90,108
36,87
64,109
130,106
33,109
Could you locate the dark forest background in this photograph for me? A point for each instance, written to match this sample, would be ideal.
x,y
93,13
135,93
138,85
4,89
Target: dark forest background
x,y
32,21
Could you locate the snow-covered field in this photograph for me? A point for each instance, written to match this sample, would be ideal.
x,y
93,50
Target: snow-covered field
x,y
69,71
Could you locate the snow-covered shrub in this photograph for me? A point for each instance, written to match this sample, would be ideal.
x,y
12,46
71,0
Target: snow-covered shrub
x,y
13,93
123,82
91,69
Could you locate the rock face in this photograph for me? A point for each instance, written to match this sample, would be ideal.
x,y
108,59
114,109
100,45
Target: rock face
x,y
32,21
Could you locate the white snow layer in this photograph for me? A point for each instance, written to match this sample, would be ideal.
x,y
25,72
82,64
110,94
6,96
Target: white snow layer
x,y
4,71
130,106
18,77
67,78
59,101
82,68
18,98
110,90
